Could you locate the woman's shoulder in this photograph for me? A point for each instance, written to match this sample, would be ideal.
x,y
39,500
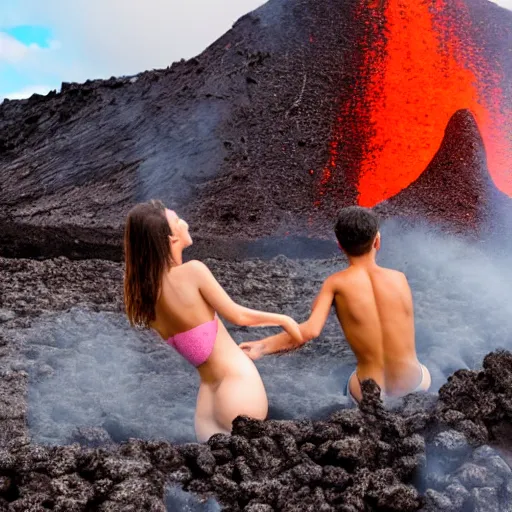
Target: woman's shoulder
x,y
196,267
193,272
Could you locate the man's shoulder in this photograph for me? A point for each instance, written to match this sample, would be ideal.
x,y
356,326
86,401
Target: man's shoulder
x,y
393,272
337,279
396,277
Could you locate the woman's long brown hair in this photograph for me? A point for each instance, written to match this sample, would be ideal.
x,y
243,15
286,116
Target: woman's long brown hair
x,y
147,254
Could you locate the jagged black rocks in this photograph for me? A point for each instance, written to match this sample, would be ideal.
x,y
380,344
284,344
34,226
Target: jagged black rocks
x,y
423,454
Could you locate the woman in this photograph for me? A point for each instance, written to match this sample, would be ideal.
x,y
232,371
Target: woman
x,y
180,301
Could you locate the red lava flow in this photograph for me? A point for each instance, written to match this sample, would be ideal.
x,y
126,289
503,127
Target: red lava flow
x,y
415,78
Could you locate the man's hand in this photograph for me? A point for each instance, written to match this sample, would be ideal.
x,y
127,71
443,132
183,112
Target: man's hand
x,y
253,349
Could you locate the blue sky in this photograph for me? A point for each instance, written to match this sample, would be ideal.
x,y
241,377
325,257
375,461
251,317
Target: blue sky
x,y
19,45
46,42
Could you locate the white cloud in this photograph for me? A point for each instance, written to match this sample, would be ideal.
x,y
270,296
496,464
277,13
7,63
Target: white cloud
x,y
23,56
503,3
117,37
24,67
11,50
26,92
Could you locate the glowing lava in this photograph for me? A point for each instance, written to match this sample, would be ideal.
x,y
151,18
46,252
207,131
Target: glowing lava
x,y
415,78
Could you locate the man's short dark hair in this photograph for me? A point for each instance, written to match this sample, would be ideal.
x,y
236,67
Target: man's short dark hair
x,y
356,229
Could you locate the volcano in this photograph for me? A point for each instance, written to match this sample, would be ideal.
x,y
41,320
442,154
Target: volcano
x,y
268,132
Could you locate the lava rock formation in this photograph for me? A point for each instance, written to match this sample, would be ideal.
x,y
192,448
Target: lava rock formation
x,y
357,460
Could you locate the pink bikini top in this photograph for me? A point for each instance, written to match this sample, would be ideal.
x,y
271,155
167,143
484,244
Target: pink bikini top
x,y
196,344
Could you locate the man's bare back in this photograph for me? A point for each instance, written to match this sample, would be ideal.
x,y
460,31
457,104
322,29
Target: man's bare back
x,y
375,309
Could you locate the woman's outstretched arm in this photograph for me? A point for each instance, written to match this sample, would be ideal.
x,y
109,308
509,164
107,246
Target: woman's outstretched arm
x,y
309,329
217,297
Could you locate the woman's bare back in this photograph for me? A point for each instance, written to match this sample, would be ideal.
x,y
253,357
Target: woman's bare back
x,y
180,305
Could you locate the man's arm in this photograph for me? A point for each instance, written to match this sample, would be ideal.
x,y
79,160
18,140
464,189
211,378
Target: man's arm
x,y
309,329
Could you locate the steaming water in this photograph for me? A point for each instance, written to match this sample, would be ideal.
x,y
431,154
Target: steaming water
x,y
462,295
177,499
91,369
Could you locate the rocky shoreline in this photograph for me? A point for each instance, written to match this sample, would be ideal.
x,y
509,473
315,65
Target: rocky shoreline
x,y
425,453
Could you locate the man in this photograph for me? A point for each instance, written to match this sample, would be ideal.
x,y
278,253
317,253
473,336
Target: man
x,y
374,307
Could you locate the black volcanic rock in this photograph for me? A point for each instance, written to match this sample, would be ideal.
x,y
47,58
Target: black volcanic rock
x,y
235,139
455,189
365,459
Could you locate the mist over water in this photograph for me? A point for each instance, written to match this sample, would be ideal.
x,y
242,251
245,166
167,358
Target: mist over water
x,y
177,499
92,370
462,295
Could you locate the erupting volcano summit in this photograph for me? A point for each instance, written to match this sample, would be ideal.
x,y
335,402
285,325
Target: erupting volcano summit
x,y
303,107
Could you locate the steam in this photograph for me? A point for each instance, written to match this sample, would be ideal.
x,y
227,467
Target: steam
x,y
92,370
168,156
177,499
463,303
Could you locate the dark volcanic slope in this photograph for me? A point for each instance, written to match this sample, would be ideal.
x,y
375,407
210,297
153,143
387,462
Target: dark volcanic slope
x,y
228,138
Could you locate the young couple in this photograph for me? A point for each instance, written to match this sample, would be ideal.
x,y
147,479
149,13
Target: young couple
x,y
180,301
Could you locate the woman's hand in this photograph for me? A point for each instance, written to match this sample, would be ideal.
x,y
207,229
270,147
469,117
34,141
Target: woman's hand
x,y
284,341
292,328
